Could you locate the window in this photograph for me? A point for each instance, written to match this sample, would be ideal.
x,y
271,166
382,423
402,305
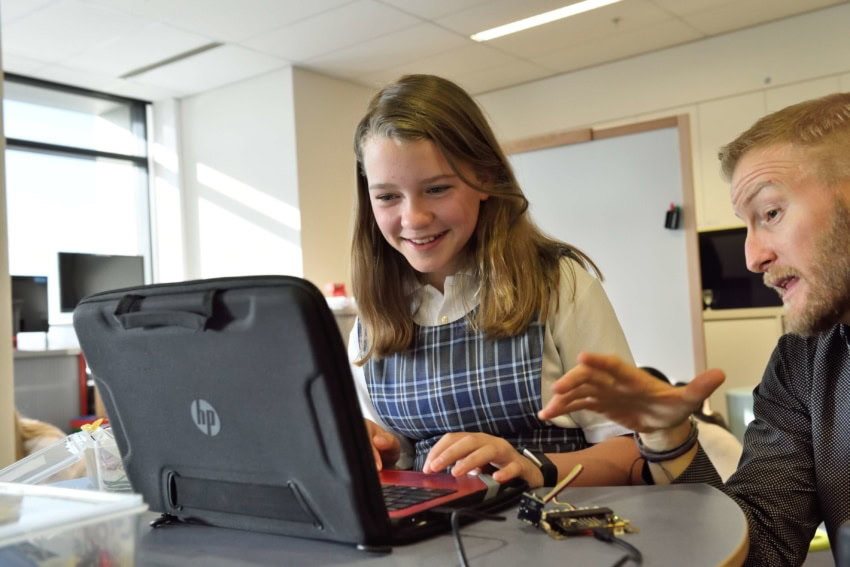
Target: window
x,y
76,179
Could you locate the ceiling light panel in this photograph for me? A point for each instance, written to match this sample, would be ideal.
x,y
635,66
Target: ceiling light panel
x,y
540,19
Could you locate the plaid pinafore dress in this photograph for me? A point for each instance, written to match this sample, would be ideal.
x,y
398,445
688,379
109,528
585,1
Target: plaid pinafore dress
x,y
453,379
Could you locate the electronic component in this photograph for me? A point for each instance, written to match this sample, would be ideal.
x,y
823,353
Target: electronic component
x,y
562,519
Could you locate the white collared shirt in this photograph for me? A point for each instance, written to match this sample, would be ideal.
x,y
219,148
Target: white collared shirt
x,y
584,322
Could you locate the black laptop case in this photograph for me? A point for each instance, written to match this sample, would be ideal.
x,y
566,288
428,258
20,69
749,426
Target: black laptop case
x,y
232,403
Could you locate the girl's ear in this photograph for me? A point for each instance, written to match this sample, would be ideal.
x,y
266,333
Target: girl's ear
x,y
483,182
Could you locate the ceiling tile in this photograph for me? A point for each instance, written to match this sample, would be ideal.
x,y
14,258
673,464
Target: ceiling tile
x,y
453,64
496,13
21,65
332,30
11,10
682,7
150,44
434,8
481,81
620,46
103,83
602,24
210,69
744,13
89,42
388,51
126,87
65,28
224,19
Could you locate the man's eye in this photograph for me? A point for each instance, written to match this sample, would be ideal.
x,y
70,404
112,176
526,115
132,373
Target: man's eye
x,y
771,214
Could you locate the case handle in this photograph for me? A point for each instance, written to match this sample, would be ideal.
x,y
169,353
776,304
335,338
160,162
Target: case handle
x,y
189,311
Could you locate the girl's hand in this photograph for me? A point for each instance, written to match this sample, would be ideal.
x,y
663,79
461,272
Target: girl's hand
x,y
628,395
385,447
467,452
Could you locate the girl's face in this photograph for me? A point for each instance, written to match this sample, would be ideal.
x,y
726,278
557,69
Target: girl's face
x,y
423,209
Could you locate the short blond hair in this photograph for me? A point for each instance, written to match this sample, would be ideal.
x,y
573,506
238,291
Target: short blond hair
x,y
820,126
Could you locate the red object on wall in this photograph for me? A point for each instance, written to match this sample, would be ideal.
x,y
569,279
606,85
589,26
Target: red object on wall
x,y
335,289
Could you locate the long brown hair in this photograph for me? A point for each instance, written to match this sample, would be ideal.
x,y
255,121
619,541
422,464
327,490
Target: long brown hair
x,y
518,267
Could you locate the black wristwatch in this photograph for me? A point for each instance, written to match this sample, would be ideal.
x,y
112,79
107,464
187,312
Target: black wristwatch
x,y
547,467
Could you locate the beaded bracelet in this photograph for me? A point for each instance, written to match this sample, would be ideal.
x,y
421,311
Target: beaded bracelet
x,y
659,456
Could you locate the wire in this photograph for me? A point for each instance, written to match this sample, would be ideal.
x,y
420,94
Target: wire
x,y
632,553
455,521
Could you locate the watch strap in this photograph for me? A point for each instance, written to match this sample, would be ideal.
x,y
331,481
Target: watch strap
x,y
546,466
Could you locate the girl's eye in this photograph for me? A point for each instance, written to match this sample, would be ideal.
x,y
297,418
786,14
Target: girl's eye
x,y
386,198
439,189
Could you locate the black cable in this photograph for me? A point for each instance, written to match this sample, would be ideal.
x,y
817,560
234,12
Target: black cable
x,y
633,553
455,521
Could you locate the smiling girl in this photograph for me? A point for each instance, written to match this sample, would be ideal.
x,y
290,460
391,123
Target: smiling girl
x,y
467,312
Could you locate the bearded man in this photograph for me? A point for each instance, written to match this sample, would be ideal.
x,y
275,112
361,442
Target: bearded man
x,y
790,185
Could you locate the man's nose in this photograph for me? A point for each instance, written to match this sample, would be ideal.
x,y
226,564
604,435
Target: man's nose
x,y
758,252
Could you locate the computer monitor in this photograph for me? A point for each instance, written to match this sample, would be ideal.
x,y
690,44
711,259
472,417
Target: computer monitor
x,y
726,281
81,275
29,304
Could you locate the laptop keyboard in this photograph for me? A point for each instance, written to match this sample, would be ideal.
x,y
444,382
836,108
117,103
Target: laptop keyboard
x,y
397,496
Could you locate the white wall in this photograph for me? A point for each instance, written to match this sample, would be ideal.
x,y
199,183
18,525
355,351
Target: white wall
x,y
326,112
240,179
168,235
724,83
266,181
614,211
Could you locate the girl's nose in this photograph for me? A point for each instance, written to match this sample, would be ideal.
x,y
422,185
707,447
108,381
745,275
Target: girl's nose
x,y
416,214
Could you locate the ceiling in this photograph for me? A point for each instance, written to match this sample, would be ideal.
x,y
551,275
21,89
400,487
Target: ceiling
x,y
92,43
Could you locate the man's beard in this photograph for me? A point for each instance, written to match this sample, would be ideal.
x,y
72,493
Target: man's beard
x,y
828,299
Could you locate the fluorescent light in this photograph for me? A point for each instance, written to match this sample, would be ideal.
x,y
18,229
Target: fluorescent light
x,y
541,19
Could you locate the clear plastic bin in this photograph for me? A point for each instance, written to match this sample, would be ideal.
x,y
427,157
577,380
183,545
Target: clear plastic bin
x,y
46,525
90,456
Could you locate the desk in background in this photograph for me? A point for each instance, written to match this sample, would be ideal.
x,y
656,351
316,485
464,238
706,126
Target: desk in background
x,y
694,525
50,385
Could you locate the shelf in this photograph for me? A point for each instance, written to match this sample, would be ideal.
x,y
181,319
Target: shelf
x,y
745,313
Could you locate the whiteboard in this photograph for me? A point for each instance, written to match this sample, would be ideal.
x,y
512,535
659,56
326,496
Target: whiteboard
x,y
609,197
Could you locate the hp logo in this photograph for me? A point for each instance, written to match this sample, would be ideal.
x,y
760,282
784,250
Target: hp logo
x,y
205,417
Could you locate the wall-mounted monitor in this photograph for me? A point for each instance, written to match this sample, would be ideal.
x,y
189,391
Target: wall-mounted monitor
x,y
84,274
726,281
29,304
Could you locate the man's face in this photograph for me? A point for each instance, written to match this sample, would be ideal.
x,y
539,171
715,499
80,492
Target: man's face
x,y
798,234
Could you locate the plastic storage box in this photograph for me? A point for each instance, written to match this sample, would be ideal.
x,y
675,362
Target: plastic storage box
x,y
90,456
46,525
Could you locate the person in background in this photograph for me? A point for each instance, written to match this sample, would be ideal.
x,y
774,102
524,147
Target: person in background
x,y
790,185
32,435
467,312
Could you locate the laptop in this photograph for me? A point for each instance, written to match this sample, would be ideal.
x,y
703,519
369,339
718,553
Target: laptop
x,y
232,404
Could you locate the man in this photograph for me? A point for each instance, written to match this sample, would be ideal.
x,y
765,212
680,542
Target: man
x,y
790,184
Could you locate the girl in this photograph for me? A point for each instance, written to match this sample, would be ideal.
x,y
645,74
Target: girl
x,y
467,312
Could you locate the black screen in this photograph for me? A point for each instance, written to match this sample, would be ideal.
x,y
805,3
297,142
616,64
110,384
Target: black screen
x,y
29,304
724,271
81,275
